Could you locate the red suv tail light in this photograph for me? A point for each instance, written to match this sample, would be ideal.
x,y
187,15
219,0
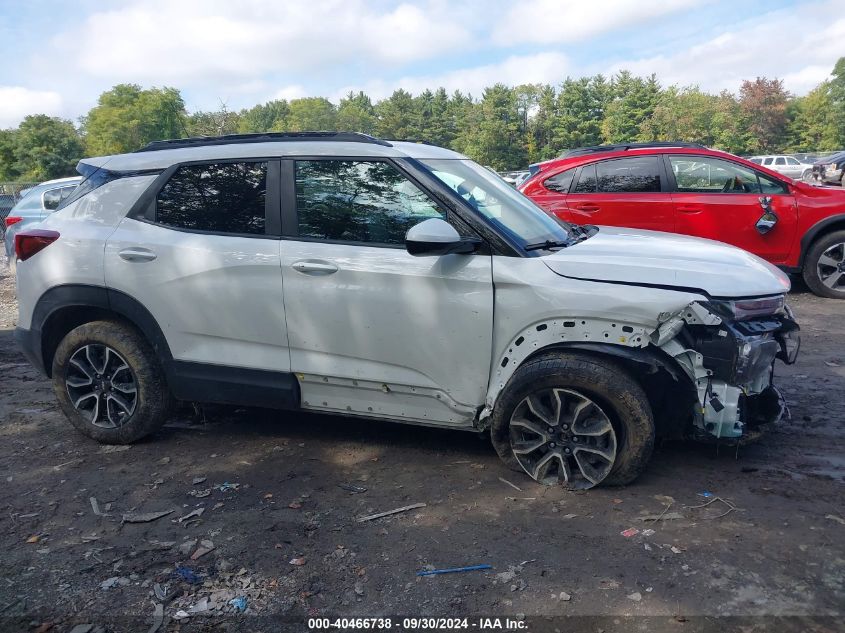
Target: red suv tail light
x,y
12,219
28,243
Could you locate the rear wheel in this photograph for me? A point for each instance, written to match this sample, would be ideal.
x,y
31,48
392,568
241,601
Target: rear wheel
x,y
824,266
109,383
578,421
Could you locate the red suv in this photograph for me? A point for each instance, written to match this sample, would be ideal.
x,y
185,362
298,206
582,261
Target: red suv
x,y
687,188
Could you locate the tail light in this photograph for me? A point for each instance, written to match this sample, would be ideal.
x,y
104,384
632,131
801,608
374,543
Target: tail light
x,y
12,219
28,243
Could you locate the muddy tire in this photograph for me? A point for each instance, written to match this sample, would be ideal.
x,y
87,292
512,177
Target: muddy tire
x,y
824,266
109,383
593,418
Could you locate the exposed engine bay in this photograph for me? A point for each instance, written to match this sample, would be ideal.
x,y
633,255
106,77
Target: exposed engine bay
x,y
728,349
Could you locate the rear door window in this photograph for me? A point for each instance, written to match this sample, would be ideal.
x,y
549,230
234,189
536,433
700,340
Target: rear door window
x,y
640,174
215,198
780,161
586,180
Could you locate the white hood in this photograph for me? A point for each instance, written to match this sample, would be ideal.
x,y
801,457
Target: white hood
x,y
667,259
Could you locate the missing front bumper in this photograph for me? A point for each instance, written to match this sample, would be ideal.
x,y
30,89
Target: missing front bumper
x,y
730,414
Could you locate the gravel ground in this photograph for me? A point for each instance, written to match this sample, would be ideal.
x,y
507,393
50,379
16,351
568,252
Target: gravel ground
x,y
279,494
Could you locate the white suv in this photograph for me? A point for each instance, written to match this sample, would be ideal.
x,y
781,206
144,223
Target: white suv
x,y
341,273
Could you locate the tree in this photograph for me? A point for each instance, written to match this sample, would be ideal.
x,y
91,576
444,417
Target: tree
x,y
494,137
763,103
8,162
633,102
543,124
397,117
355,113
46,147
837,97
216,123
309,114
581,108
127,118
812,121
263,117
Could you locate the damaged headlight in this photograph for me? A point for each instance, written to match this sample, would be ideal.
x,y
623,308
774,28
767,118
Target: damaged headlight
x,y
754,359
742,309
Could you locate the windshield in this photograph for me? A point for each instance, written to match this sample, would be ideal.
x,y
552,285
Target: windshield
x,y
497,201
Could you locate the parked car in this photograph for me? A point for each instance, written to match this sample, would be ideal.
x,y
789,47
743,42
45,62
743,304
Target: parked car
x,y
689,189
37,203
340,273
830,170
786,165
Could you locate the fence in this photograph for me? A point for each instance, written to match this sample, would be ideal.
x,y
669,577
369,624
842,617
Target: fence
x,y
10,193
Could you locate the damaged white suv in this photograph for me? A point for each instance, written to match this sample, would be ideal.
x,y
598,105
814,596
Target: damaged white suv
x,y
341,273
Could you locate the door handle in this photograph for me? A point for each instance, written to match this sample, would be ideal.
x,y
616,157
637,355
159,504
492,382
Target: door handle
x,y
686,209
315,267
589,208
137,254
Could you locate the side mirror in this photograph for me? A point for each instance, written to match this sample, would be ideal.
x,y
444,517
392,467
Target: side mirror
x,y
437,237
769,218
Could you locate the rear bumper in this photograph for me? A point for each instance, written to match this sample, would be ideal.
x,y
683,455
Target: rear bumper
x,y
29,342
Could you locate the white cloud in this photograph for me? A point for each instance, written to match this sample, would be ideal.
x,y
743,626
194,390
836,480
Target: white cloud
x,y
295,91
513,71
557,21
162,41
770,47
16,102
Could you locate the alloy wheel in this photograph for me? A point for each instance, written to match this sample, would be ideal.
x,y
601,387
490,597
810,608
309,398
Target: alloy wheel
x,y
831,267
101,386
561,436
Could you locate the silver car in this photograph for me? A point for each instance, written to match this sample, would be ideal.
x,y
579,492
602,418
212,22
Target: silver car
x,y
34,206
786,165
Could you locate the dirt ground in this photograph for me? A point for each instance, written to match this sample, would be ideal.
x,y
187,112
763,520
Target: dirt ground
x,y
280,494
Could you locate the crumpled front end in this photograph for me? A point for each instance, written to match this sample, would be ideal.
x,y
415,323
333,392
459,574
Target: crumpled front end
x,y
728,349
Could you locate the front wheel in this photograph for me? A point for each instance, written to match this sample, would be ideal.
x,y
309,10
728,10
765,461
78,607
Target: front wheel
x,y
109,383
578,421
824,266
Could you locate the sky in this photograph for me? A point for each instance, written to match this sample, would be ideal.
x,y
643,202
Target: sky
x,y
57,57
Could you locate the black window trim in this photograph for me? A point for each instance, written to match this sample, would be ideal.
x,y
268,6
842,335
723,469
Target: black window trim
x,y
667,164
290,214
144,209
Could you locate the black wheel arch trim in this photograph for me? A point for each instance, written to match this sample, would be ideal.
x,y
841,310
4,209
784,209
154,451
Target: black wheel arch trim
x,y
831,223
98,297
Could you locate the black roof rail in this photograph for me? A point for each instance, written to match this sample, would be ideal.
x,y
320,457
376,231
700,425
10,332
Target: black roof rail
x,y
262,137
626,146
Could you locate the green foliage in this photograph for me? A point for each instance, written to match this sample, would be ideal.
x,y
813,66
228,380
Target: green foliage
x,y
397,117
355,113
127,118
45,148
308,115
632,102
216,123
507,128
263,117
813,122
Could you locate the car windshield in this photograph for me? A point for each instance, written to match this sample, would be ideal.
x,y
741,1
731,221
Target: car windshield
x,y
500,203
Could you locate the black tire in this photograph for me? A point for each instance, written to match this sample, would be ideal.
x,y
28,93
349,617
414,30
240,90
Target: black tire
x,y
152,399
811,273
605,382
